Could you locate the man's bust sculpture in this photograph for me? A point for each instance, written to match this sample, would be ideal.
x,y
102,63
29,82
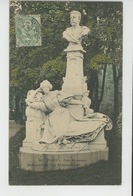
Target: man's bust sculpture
x,y
75,34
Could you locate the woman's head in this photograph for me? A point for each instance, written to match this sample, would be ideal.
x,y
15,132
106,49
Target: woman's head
x,y
46,86
30,92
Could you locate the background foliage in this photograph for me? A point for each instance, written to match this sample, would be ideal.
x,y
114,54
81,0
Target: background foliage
x,y
102,62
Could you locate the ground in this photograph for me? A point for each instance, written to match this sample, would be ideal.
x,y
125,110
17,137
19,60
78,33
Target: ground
x,y
100,173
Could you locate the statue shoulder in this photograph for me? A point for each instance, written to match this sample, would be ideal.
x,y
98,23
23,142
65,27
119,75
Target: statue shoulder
x,y
54,93
67,30
85,29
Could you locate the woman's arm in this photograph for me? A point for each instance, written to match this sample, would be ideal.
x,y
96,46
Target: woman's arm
x,y
38,106
75,102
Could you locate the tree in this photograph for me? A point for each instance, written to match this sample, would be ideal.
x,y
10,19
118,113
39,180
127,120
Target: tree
x,y
55,76
30,65
106,38
97,63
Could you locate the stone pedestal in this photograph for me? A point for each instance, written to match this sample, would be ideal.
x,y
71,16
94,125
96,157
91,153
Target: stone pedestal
x,y
74,81
47,161
99,142
43,157
27,143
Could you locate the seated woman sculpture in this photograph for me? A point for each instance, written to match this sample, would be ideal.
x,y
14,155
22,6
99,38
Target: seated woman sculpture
x,y
39,100
35,116
37,110
61,114
68,119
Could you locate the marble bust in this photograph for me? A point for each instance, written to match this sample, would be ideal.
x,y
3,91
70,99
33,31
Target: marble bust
x,y
75,34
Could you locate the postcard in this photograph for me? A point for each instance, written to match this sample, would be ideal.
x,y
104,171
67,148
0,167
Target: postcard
x,y
68,86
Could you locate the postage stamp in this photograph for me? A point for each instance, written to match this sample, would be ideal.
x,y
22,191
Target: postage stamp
x,y
28,30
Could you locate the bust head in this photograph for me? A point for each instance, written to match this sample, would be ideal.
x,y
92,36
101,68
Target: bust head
x,y
75,18
46,86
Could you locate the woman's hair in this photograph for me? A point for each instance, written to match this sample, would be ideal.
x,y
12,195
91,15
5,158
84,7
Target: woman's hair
x,y
30,92
46,83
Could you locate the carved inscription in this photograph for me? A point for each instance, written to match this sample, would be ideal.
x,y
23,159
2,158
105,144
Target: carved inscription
x,y
58,163
55,147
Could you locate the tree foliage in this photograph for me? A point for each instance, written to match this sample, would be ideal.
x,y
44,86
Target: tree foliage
x,y
30,65
54,71
119,124
98,62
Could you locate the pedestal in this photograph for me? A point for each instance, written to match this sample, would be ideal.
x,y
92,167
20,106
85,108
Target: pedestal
x,y
47,161
41,157
74,81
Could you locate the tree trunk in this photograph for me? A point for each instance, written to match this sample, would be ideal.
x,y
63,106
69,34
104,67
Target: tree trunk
x,y
92,87
116,99
17,99
95,88
96,94
103,84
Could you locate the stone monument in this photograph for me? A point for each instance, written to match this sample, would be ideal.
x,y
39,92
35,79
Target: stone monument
x,y
62,131
74,81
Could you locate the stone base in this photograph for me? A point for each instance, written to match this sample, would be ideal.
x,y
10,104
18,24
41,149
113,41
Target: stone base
x,y
27,143
31,160
75,48
48,157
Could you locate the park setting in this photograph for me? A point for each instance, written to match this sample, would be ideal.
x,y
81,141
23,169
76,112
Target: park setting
x,y
65,93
